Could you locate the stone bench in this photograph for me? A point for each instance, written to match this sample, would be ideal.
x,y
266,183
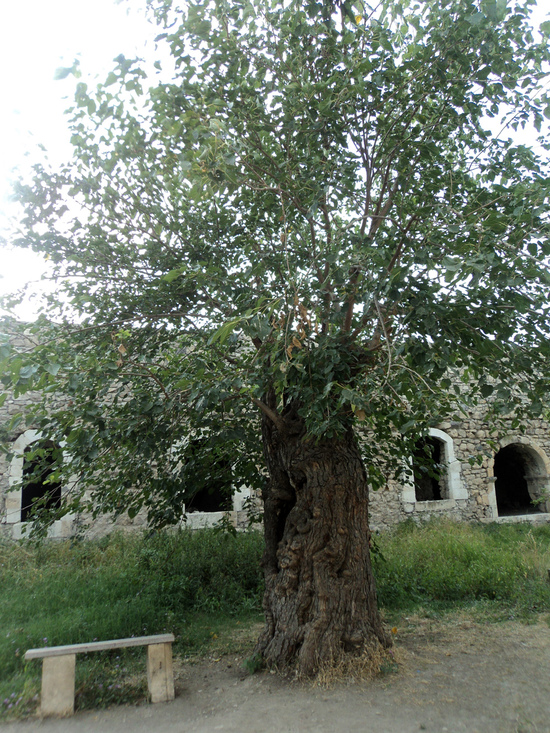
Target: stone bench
x,y
58,668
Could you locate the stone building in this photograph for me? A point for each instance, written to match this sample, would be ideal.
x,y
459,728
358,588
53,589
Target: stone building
x,y
16,503
464,470
479,474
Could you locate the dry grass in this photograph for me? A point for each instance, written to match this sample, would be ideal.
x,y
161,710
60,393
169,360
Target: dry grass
x,y
375,661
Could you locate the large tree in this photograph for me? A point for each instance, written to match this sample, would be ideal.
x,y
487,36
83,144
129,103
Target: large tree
x,y
314,239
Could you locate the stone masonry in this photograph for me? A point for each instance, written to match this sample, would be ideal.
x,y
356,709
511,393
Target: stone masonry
x,y
486,474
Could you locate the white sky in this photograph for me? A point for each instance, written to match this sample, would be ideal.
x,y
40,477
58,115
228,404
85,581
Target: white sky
x,y
36,38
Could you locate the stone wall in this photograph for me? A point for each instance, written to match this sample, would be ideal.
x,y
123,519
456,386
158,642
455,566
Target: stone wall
x,y
24,434
11,471
472,484
470,492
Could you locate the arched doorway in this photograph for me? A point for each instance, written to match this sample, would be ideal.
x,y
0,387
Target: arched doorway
x,y
521,480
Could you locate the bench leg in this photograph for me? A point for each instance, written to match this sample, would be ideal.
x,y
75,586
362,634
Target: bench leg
x,y
58,685
160,675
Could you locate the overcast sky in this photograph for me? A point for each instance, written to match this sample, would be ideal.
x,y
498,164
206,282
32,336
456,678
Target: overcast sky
x,y
36,38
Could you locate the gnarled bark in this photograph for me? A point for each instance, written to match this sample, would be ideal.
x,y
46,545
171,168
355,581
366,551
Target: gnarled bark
x,y
320,596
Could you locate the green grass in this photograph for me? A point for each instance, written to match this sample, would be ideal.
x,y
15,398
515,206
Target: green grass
x,y
198,585
206,587
501,568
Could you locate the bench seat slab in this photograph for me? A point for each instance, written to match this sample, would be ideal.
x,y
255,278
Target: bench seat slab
x,y
57,696
97,646
160,675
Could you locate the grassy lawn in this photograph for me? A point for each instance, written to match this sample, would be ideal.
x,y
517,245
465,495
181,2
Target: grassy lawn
x,y
200,586
498,570
206,588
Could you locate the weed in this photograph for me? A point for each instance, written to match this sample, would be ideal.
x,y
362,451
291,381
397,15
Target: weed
x,y
254,664
108,678
374,661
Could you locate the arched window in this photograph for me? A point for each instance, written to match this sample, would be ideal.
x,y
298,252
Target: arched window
x,y
39,492
434,478
31,484
208,478
429,466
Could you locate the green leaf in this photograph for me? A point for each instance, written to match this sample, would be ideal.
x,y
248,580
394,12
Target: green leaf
x,y
223,333
203,29
407,426
475,19
172,275
52,368
28,371
112,78
62,72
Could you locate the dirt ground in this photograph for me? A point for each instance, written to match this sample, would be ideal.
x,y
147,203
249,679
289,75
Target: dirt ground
x,y
454,675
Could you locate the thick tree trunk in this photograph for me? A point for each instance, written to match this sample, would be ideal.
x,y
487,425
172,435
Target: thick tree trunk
x,y
320,596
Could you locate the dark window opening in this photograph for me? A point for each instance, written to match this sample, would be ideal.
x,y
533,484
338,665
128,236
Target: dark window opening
x,y
208,479
39,494
430,470
210,499
514,470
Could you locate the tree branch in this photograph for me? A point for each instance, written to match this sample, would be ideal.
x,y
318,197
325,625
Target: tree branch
x,y
275,418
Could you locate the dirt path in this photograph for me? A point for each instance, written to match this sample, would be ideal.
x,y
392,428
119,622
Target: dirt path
x,y
454,676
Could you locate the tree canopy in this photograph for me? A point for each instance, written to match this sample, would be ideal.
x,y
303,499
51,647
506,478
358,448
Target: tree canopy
x,y
323,214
